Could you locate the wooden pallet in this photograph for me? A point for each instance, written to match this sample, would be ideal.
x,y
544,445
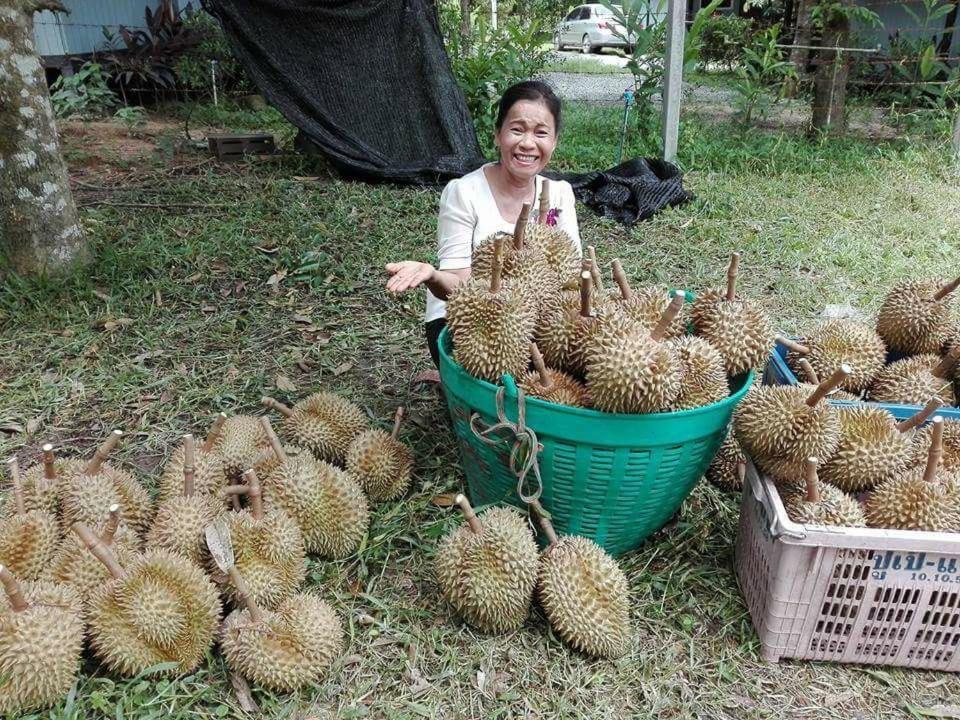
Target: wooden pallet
x,y
234,147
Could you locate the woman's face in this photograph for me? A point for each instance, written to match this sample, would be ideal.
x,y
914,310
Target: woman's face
x,y
526,139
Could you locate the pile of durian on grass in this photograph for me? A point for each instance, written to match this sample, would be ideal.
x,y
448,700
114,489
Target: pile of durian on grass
x,y
86,552
622,351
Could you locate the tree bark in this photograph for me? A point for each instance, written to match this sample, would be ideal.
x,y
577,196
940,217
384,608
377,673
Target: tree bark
x,y
465,23
40,231
830,79
949,23
802,36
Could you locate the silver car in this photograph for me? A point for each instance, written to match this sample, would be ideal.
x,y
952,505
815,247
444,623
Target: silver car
x,y
590,27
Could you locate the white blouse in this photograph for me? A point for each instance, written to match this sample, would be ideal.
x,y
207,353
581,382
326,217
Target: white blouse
x,y
469,214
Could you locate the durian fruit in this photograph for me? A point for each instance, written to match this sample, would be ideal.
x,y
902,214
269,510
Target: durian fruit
x,y
780,426
323,500
268,548
323,423
209,476
28,539
73,565
161,608
40,484
913,380
915,316
487,568
740,330
592,322
873,447
552,385
380,463
922,498
646,305
813,380
41,639
282,649
560,253
920,445
242,444
703,371
728,467
837,342
555,329
178,527
491,324
635,372
584,593
822,504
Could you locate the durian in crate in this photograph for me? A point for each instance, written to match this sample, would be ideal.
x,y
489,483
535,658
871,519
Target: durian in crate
x,y
816,503
41,640
583,592
915,316
323,423
283,649
161,609
728,467
920,445
837,342
487,568
703,373
209,475
813,379
28,538
646,305
551,385
913,380
329,507
380,463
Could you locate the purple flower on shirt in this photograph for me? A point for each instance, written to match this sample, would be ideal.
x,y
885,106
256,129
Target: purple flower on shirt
x,y
552,215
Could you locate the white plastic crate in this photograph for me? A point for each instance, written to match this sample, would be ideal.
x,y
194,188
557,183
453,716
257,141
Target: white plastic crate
x,y
857,595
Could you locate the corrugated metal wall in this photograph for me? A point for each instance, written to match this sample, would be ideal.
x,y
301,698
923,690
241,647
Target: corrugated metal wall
x,y
81,31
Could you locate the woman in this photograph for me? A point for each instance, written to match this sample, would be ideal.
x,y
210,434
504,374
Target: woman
x,y
489,200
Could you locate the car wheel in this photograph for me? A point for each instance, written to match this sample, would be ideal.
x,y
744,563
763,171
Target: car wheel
x,y
556,43
585,46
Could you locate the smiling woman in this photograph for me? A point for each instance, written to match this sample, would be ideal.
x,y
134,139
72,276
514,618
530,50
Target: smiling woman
x,y
489,200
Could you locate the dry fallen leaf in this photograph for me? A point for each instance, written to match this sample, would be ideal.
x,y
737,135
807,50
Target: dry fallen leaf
x,y
9,426
277,277
342,368
33,424
102,295
444,500
286,384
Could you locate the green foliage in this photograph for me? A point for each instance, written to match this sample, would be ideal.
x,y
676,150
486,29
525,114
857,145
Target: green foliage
x,y
763,67
193,67
723,39
132,118
830,12
86,93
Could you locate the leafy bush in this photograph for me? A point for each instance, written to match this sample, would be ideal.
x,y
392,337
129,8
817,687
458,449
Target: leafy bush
x,y
763,67
193,67
86,93
723,39
132,118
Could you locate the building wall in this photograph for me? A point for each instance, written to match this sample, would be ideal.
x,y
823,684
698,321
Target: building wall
x,y
894,17
81,32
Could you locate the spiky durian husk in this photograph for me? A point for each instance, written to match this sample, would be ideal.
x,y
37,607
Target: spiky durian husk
x,y
586,597
39,492
776,427
292,647
28,543
910,382
380,464
630,373
209,476
647,305
325,424
481,260
911,321
564,389
87,498
844,341
703,371
179,526
589,333
270,555
833,394
559,252
491,331
328,506
871,450
164,610
740,330
40,648
723,470
556,329
908,502
835,507
75,566
136,506
242,444
489,577
920,446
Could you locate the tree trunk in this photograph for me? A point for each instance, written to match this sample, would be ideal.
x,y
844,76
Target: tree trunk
x,y
465,23
802,36
830,79
949,23
39,228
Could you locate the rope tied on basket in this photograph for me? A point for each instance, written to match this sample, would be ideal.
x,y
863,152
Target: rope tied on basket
x,y
525,446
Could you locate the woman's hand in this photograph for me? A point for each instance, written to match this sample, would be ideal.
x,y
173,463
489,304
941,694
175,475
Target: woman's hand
x,y
408,274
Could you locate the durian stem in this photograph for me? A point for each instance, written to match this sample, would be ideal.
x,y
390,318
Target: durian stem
x,y
520,229
620,277
947,289
255,493
545,382
100,551
189,471
828,385
236,490
813,482
947,363
214,433
544,201
273,439
543,518
13,590
467,509
936,450
741,471
808,370
19,503
792,345
397,421
933,404
669,315
235,503
496,267
732,276
244,593
271,404
113,523
49,463
594,268
585,285
100,456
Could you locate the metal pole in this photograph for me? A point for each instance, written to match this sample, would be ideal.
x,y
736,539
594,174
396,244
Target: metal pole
x,y
213,79
493,13
673,78
956,138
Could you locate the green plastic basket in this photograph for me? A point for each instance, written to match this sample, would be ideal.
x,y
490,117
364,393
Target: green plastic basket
x,y
613,478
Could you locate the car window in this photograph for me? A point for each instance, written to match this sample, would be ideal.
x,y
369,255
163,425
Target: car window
x,y
585,15
602,12
574,14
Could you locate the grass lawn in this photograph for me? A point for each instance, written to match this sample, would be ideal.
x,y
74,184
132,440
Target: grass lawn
x,y
215,284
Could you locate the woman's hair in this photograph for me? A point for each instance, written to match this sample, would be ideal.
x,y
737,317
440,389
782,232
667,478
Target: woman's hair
x,y
529,90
